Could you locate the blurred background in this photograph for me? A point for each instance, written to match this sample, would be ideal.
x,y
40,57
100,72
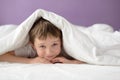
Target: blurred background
x,y
78,12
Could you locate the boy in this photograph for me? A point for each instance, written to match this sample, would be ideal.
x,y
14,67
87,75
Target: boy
x,y
45,46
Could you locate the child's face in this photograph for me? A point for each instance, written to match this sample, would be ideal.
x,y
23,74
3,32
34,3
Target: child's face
x,y
49,48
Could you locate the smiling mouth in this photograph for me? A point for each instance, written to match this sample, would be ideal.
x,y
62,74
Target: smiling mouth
x,y
49,57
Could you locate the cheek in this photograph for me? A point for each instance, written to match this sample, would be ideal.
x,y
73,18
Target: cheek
x,y
57,50
40,53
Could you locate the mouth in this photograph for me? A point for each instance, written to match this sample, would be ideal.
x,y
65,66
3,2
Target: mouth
x,y
49,57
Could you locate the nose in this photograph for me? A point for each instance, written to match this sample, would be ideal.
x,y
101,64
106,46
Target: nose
x,y
49,53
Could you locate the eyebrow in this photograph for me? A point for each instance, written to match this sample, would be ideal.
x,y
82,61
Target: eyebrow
x,y
56,41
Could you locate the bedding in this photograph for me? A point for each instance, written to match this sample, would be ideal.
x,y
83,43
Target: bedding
x,y
97,44
15,71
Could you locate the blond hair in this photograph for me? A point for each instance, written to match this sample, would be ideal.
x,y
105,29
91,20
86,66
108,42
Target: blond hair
x,y
42,28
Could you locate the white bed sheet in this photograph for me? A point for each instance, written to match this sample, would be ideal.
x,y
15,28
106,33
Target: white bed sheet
x,y
15,71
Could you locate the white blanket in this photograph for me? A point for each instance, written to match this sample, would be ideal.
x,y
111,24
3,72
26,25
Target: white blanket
x,y
15,71
97,44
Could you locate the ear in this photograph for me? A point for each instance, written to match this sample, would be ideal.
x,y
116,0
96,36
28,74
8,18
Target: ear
x,y
32,44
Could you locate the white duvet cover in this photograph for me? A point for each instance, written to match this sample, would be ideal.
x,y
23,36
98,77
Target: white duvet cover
x,y
97,44
13,71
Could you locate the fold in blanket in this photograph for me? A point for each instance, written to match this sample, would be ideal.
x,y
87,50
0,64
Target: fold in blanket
x,y
96,44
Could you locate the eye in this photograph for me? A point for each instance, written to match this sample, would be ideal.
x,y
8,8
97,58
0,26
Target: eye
x,y
42,46
55,44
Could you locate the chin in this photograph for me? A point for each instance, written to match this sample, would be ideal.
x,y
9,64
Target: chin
x,y
48,59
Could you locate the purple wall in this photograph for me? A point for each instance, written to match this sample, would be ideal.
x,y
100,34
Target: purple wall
x,y
79,12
